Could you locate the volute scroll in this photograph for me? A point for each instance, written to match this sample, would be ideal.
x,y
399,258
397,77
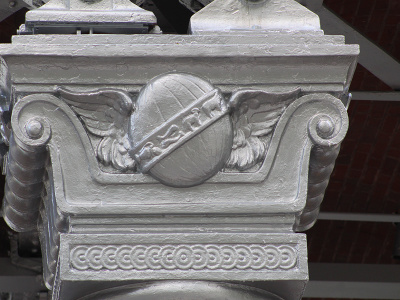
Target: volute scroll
x,y
31,131
327,130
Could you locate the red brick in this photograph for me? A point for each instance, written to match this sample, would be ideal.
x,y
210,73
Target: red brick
x,y
381,188
344,159
381,145
384,87
357,79
370,132
391,207
351,244
390,124
374,163
387,231
379,109
382,5
396,140
365,236
340,170
393,152
386,38
375,25
363,107
366,7
392,20
359,161
374,206
349,188
395,186
335,185
375,239
383,180
345,203
335,6
357,122
330,201
389,166
360,200
356,174
348,145
394,109
329,247
369,176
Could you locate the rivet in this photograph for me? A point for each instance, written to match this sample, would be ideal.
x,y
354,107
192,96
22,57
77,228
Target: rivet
x,y
12,4
325,127
34,129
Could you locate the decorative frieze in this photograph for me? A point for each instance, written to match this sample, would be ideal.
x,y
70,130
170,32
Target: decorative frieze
x,y
183,257
198,256
181,129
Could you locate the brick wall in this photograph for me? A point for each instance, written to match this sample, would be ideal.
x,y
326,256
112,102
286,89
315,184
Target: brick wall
x,y
366,178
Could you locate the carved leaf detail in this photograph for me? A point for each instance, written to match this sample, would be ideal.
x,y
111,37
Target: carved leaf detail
x,y
105,113
255,115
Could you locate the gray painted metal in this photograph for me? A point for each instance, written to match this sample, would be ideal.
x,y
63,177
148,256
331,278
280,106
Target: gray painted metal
x,y
7,7
359,217
352,290
376,96
357,281
17,280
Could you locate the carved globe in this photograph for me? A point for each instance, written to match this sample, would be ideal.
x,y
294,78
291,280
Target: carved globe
x,y
180,132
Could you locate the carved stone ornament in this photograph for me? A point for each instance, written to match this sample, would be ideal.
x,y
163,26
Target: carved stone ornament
x,y
174,165
181,130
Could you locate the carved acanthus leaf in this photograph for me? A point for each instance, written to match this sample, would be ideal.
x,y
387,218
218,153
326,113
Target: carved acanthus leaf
x,y
255,114
105,113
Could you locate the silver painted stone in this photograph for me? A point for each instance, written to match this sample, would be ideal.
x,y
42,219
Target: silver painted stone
x,y
253,15
88,16
180,131
154,157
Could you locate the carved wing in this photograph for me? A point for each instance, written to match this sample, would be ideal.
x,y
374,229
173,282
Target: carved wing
x,y
255,114
105,113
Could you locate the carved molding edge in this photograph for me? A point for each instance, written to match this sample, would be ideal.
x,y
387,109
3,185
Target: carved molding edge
x,y
239,256
183,257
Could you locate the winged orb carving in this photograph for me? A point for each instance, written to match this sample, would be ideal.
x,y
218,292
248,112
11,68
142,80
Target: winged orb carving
x,y
181,130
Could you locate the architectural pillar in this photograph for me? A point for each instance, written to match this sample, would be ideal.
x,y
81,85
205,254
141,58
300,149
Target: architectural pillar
x,y
172,166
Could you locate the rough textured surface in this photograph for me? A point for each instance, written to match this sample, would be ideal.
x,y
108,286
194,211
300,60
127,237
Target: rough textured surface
x,y
341,241
73,16
316,117
234,15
